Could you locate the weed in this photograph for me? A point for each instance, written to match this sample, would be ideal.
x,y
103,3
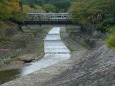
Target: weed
x,y
7,61
111,41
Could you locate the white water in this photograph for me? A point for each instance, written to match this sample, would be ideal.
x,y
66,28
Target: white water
x,y
54,49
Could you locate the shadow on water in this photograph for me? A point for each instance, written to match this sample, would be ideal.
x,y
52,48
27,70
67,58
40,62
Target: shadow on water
x,y
9,75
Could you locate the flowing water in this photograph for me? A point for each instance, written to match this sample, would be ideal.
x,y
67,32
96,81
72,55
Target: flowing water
x,y
55,51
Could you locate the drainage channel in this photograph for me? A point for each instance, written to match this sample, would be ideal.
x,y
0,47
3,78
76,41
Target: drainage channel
x,y
54,49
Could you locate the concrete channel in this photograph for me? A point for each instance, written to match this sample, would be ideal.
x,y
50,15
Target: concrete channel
x,y
54,49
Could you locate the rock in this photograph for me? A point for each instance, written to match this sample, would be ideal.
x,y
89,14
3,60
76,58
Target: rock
x,y
17,62
27,57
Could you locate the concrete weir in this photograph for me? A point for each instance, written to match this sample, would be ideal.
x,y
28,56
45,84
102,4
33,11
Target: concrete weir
x,y
54,49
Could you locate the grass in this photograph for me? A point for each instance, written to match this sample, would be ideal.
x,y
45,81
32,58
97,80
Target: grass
x,y
111,41
111,38
7,62
71,49
4,41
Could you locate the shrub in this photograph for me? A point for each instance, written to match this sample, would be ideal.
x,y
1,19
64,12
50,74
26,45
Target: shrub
x,y
111,29
7,62
111,41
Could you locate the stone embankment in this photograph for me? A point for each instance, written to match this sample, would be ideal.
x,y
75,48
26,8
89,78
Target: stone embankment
x,y
86,37
95,69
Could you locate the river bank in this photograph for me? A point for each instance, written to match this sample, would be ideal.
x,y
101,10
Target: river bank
x,y
33,52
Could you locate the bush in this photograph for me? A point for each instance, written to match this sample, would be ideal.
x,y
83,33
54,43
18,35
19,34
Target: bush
x,y
7,62
111,41
111,29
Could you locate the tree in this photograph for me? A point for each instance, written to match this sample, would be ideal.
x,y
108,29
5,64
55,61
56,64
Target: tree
x,y
38,8
101,13
15,6
49,8
8,8
5,11
79,12
61,5
26,9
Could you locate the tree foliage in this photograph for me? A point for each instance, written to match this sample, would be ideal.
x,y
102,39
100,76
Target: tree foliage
x,y
61,5
26,9
100,12
8,9
38,8
49,8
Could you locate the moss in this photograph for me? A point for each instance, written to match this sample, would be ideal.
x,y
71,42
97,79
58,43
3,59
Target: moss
x,y
70,48
111,41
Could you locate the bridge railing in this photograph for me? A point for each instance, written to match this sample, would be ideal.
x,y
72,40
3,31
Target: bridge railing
x,y
44,18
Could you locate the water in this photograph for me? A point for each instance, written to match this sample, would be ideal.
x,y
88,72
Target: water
x,y
55,51
8,75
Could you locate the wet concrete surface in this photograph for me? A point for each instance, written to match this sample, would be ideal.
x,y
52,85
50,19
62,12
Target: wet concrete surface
x,y
54,49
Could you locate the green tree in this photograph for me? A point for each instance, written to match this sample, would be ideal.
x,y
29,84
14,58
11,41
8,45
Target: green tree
x,y
97,12
7,8
5,11
19,16
26,9
79,12
49,8
38,8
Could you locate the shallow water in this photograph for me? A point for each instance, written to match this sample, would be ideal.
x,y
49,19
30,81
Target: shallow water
x,y
54,49
8,75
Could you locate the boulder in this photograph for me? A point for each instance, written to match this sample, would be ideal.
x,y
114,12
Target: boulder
x,y
27,57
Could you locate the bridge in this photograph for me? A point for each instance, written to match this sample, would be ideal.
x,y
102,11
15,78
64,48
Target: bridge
x,y
48,18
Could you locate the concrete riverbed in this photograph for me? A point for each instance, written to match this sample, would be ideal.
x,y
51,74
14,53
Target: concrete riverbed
x,y
54,49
